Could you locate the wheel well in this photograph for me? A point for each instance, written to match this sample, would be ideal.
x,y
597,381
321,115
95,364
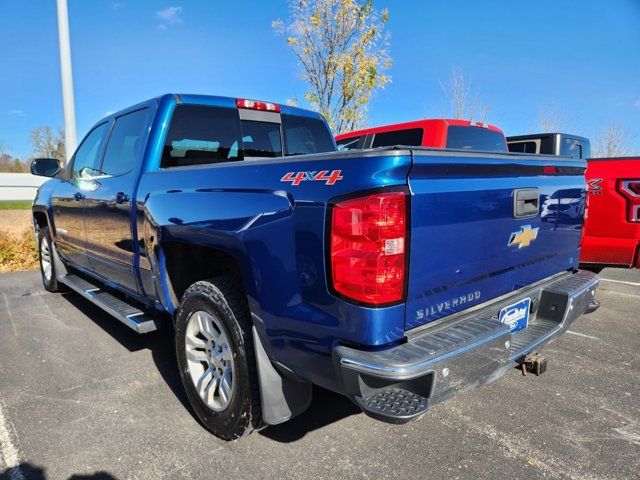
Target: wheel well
x,y
40,218
187,264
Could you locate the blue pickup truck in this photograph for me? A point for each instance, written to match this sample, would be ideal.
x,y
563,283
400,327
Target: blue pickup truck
x,y
396,276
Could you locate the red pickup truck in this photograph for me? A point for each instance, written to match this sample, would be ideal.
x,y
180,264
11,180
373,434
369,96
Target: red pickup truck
x,y
434,132
611,234
612,229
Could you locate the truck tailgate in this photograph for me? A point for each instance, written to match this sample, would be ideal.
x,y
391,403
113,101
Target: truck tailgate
x,y
466,244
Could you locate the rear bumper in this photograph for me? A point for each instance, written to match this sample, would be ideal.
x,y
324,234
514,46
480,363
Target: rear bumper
x,y
612,251
454,355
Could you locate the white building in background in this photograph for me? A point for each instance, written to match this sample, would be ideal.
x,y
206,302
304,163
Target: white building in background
x,y
19,186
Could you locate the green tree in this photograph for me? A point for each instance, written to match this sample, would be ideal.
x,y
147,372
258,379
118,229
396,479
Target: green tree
x,y
47,144
340,45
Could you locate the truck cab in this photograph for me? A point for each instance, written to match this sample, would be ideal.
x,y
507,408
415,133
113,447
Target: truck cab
x,y
551,144
433,133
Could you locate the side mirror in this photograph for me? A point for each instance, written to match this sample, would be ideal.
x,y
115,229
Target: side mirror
x,y
45,167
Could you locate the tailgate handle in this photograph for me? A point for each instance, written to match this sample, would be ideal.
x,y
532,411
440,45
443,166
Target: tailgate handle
x,y
526,202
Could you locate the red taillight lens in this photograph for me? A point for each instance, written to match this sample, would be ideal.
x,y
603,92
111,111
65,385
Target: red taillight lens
x,y
368,248
630,189
257,105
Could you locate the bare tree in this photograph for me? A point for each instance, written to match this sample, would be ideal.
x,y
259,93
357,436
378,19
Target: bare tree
x,y
464,103
4,149
48,144
613,141
552,120
340,45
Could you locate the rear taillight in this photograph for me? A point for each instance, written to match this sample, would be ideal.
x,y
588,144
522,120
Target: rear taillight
x,y
257,105
368,243
630,189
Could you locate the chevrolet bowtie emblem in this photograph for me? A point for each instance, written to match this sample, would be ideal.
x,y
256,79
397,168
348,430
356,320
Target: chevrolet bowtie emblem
x,y
524,237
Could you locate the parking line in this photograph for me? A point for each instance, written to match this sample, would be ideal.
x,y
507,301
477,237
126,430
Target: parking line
x,y
620,281
8,452
582,335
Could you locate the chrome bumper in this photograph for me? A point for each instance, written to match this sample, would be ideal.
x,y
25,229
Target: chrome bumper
x,y
454,355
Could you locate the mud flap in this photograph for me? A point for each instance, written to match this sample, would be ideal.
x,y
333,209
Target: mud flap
x,y
282,398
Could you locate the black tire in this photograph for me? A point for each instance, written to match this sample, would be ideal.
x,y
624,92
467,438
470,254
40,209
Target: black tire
x,y
223,297
51,283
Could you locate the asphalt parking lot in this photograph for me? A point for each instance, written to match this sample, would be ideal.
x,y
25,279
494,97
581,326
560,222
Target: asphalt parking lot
x,y
81,397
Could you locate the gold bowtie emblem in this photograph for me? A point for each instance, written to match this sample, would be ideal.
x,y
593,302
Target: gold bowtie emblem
x,y
524,237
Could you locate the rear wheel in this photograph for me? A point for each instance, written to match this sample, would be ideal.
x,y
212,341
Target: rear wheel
x,y
214,348
47,266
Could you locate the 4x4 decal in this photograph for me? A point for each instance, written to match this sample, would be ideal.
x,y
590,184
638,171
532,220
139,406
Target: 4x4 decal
x,y
322,176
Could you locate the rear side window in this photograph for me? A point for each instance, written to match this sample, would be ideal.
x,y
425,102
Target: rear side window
x,y
412,137
523,147
475,138
303,135
125,143
352,143
571,148
200,135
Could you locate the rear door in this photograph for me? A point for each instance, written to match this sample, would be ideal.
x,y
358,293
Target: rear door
x,y
481,227
108,206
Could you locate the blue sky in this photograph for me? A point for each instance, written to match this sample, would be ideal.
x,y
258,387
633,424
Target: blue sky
x,y
580,59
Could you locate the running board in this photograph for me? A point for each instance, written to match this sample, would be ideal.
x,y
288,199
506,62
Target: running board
x,y
132,317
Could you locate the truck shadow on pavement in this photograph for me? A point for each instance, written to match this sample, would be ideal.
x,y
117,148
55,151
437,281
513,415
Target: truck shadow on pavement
x,y
28,471
326,407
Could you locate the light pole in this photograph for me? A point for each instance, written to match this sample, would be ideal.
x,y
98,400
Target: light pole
x,y
70,138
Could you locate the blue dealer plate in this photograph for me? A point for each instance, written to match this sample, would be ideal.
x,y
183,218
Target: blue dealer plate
x,y
516,315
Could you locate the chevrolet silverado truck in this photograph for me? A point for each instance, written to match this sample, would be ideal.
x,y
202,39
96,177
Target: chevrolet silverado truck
x,y
428,132
396,276
611,236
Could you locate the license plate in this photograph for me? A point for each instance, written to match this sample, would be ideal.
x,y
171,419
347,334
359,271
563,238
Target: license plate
x,y
516,315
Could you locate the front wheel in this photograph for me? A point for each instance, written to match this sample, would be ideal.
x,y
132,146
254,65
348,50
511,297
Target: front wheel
x,y
47,266
214,348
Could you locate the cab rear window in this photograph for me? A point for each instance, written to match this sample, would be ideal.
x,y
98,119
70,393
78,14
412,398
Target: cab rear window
x,y
201,134
410,136
475,138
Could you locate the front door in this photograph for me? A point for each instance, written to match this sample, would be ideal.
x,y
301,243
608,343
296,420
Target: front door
x,y
108,217
68,198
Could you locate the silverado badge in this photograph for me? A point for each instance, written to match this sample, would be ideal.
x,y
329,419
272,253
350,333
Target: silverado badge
x,y
524,237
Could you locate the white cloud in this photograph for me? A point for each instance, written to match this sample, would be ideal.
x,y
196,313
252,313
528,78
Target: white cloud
x,y
116,5
169,16
17,113
637,104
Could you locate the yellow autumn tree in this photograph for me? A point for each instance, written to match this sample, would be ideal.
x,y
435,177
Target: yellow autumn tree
x,y
341,47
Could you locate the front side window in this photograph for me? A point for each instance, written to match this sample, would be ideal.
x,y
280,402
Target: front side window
x,y
474,138
202,135
411,137
87,157
304,135
124,143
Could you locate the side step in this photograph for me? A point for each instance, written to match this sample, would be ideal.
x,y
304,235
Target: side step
x,y
131,316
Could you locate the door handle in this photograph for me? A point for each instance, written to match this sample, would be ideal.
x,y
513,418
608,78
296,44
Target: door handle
x,y
78,196
122,197
526,202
